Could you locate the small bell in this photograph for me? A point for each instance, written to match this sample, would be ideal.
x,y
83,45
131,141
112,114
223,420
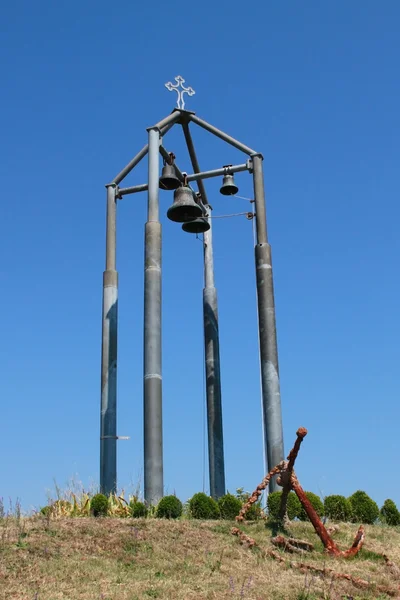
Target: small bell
x,y
197,226
169,179
229,188
184,207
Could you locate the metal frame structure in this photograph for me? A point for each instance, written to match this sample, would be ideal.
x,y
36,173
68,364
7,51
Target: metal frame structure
x,y
152,376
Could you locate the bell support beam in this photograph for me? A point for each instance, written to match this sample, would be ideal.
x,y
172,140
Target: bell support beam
x,y
164,126
152,376
213,371
194,161
168,121
192,177
211,346
222,135
223,171
271,397
108,407
131,165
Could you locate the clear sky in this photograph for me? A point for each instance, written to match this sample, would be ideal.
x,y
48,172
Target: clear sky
x,y
312,85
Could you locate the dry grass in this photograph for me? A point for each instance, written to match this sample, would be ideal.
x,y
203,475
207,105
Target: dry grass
x,y
131,559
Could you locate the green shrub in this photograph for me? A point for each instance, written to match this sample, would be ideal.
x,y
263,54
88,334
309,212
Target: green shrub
x,y
364,509
46,510
274,503
169,507
337,508
293,506
138,509
389,513
255,511
202,506
229,506
315,502
99,505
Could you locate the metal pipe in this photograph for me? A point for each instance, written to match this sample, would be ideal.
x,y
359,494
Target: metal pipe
x,y
169,120
108,409
133,189
153,203
136,159
213,372
194,161
131,165
192,177
211,346
223,136
259,197
218,172
271,397
152,377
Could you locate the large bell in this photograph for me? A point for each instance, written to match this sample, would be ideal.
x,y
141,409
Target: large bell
x,y
229,188
197,226
169,179
184,207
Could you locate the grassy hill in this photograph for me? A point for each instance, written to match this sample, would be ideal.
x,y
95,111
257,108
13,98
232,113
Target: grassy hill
x,y
131,559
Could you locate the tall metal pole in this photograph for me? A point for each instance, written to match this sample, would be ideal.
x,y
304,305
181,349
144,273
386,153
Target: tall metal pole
x,y
213,371
271,396
211,346
152,384
108,412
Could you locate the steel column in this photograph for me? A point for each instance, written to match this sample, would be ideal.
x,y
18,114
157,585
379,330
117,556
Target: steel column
x,y
271,398
152,383
108,412
211,347
213,372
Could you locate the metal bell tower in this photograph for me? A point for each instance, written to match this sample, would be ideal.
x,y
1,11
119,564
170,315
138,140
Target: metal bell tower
x,y
193,210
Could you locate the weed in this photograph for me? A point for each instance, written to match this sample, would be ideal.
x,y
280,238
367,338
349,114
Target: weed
x,y
222,528
21,544
212,563
159,574
365,554
153,593
240,590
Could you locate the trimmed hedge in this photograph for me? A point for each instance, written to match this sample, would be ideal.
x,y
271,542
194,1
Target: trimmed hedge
x,y
389,513
316,503
274,504
364,509
338,508
254,513
99,505
138,509
202,506
229,506
169,507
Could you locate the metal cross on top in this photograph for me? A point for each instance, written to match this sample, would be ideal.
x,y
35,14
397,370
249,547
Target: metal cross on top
x,y
180,81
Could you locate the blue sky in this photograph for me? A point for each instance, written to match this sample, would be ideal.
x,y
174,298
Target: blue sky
x,y
312,85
